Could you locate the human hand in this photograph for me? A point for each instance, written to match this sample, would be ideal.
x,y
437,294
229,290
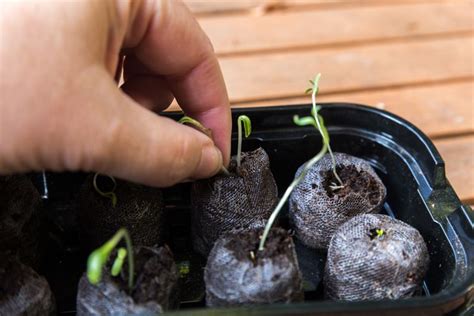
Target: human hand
x,y
60,108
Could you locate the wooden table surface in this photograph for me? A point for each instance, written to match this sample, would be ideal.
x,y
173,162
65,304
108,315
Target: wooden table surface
x,y
413,58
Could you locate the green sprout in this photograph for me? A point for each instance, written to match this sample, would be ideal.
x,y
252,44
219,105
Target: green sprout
x,y
195,123
110,194
244,121
99,257
376,233
317,121
186,120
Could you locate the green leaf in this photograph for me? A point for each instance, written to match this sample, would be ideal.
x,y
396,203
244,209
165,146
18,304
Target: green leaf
x,y
95,262
309,90
247,124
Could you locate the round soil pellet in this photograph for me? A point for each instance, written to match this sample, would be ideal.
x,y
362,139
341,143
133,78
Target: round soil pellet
x,y
238,274
374,257
244,199
316,210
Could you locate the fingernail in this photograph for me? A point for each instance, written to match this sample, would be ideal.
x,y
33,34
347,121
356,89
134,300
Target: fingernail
x,y
211,162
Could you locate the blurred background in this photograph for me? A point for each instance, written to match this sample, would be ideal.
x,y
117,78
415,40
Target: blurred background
x,y
411,57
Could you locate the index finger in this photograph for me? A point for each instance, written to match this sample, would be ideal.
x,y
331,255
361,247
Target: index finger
x,y
167,39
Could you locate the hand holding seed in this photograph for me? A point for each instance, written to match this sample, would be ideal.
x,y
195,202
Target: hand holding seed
x,y
60,108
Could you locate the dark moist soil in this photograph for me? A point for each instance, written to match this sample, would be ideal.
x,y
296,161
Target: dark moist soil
x,y
364,266
353,181
155,290
278,242
20,221
22,290
243,199
139,209
233,276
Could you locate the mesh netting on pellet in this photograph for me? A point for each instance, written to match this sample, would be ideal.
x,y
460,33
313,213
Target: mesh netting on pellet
x,y
364,265
316,210
246,198
139,209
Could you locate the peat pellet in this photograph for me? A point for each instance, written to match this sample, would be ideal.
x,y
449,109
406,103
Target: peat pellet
x,y
316,210
22,290
243,199
155,289
238,274
138,208
20,220
374,257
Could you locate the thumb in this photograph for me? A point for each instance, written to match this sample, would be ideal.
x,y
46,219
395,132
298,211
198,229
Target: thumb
x,y
113,134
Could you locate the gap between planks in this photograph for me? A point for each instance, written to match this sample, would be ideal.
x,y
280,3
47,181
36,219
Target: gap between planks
x,y
204,8
254,78
440,110
353,26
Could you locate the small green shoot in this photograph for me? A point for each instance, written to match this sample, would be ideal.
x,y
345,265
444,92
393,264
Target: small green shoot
x,y
184,268
98,258
110,194
317,121
196,124
118,263
376,233
314,90
186,120
244,121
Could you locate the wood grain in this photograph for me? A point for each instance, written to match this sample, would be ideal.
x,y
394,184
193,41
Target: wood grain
x,y
253,78
458,155
258,7
438,110
290,29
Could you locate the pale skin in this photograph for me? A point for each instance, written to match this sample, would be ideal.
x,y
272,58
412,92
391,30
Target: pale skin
x,y
61,109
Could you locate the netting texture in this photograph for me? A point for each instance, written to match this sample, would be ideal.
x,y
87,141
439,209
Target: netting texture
x,y
234,278
20,204
246,198
22,290
363,266
315,211
139,209
155,287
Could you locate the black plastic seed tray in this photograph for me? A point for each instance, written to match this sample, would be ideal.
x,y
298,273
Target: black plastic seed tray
x,y
418,193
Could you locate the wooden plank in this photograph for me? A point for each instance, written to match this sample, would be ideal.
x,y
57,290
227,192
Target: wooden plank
x,y
281,30
438,110
207,7
458,154
259,77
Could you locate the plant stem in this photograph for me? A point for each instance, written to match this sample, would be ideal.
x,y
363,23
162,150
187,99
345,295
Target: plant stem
x,y
206,131
98,258
110,195
245,121
287,193
239,143
324,135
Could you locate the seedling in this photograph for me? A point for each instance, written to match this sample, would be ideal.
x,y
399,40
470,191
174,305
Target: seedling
x,y
376,233
99,257
244,121
109,194
186,120
317,121
195,123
